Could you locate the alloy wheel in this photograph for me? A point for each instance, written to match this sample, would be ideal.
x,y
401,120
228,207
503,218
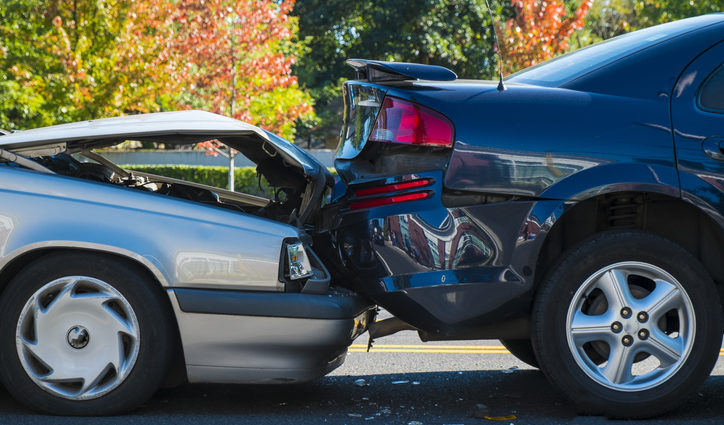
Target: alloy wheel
x,y
630,326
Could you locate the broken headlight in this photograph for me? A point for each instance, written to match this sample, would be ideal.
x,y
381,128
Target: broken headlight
x,y
298,261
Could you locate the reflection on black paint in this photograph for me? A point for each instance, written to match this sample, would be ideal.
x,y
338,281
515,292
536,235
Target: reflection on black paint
x,y
410,244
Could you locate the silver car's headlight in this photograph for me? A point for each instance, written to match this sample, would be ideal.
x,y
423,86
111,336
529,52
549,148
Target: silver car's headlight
x,y
298,261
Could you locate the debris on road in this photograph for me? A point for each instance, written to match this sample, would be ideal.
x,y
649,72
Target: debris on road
x,y
480,411
501,418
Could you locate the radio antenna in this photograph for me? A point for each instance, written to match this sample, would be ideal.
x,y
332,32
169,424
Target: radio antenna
x,y
501,86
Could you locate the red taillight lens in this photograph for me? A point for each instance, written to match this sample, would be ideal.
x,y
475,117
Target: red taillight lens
x,y
371,203
392,187
389,188
401,121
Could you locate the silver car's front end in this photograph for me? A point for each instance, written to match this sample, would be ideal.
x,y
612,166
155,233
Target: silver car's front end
x,y
220,269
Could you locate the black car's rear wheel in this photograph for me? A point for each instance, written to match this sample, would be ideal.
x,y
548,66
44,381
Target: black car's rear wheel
x,y
628,324
82,334
522,349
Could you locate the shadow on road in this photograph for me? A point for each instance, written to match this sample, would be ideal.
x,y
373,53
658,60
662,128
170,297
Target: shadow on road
x,y
428,398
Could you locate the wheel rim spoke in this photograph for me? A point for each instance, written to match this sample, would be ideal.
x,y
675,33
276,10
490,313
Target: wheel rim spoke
x,y
618,367
68,286
614,285
662,299
668,350
586,328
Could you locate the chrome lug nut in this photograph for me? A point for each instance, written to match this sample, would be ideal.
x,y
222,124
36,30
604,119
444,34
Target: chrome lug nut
x,y
643,334
627,340
616,327
625,312
642,316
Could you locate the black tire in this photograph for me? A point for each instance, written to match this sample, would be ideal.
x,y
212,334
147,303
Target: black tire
x,y
522,349
139,380
608,257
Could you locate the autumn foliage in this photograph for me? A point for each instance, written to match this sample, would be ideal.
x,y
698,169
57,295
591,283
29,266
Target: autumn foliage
x,y
539,31
237,60
63,60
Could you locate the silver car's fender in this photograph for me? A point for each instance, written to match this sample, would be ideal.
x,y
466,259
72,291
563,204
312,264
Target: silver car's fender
x,y
184,244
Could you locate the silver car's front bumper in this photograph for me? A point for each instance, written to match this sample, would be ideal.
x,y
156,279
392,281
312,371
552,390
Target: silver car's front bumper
x,y
251,337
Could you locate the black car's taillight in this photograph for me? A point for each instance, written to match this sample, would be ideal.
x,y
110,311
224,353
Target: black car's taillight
x,y
394,187
405,122
388,194
388,200
362,102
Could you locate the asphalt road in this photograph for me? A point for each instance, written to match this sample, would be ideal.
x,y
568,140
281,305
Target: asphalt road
x,y
405,382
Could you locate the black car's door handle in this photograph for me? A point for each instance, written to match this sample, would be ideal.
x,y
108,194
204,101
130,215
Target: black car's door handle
x,y
714,147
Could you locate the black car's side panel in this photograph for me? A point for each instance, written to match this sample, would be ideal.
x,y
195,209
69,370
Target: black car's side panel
x,y
566,133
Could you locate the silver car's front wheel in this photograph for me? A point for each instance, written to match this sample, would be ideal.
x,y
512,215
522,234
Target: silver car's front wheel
x,y
84,334
77,337
627,324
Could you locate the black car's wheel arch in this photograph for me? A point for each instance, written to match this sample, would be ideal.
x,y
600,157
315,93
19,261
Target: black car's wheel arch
x,y
665,216
176,373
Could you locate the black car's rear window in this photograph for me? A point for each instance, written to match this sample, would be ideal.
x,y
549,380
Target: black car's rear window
x,y
562,69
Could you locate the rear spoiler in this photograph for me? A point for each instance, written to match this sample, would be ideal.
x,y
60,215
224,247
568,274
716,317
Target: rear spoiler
x,y
3,132
381,71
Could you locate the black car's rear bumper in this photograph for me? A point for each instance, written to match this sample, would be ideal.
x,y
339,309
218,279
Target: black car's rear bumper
x,y
450,271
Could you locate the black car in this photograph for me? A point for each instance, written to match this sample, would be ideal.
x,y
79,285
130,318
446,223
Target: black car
x,y
576,213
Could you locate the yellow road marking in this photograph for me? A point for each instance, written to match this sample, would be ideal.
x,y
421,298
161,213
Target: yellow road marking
x,y
445,347
438,349
431,349
403,350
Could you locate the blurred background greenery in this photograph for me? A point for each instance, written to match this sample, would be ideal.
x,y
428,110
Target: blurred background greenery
x,y
274,63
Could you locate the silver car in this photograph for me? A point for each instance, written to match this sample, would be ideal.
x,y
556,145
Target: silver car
x,y
115,282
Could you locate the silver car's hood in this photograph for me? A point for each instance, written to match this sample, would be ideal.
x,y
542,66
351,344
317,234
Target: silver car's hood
x,y
180,127
143,125
278,155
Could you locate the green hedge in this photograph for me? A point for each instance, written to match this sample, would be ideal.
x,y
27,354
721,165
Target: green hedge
x,y
245,178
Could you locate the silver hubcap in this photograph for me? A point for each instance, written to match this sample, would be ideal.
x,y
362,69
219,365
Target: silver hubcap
x,y
77,337
630,326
